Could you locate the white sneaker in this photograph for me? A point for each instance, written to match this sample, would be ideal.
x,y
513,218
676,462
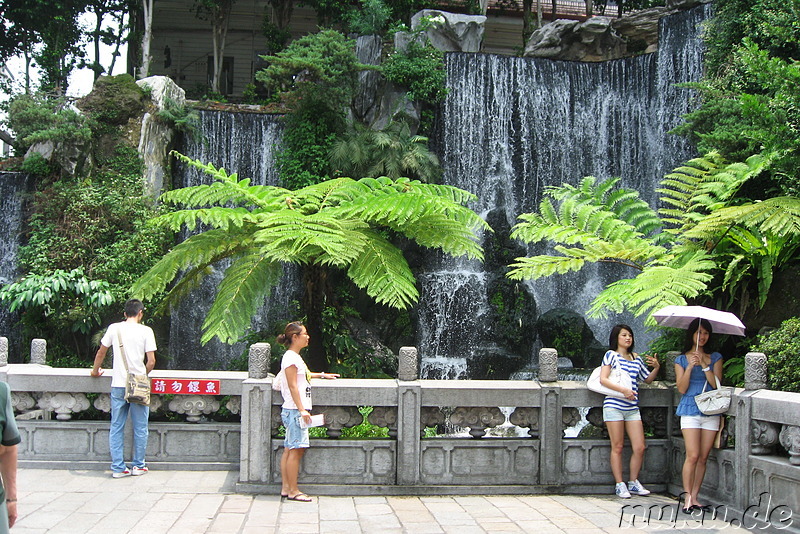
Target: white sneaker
x,y
121,474
138,471
622,491
634,487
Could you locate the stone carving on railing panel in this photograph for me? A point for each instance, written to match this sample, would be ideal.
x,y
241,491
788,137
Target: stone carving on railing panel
x,y
790,440
655,419
22,401
338,417
385,417
763,437
526,417
234,404
570,417
595,418
64,404
103,403
276,420
477,419
430,416
194,406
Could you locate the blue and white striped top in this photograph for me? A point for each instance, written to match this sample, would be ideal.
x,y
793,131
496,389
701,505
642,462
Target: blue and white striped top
x,y
637,370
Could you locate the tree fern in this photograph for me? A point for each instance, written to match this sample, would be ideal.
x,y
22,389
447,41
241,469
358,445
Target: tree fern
x,y
675,252
333,224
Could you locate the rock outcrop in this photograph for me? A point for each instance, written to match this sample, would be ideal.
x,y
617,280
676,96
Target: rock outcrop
x,y
602,38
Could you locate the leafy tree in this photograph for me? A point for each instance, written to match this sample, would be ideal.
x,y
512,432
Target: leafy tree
x,y
218,12
391,152
371,19
114,35
316,75
70,300
676,255
338,224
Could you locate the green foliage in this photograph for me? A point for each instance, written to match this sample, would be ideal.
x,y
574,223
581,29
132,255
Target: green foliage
x,y
114,99
180,117
782,347
703,233
365,429
36,165
70,298
391,152
310,132
334,224
276,37
321,67
420,69
370,19
38,117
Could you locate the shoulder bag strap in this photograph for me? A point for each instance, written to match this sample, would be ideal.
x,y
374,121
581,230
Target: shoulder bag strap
x,y
122,351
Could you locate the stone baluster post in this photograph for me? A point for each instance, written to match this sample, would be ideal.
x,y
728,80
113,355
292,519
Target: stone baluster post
x,y
548,365
408,364
39,351
755,370
3,351
409,409
258,360
255,451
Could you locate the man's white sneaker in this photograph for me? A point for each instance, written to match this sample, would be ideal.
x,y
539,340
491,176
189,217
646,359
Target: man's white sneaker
x,y
138,471
121,474
622,491
635,488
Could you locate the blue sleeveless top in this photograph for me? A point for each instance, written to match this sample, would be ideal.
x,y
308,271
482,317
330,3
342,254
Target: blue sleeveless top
x,y
697,380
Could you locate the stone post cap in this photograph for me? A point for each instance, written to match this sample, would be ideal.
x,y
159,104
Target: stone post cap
x,y
408,364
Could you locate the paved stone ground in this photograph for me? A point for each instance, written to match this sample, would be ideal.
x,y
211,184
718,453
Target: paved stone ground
x,y
200,502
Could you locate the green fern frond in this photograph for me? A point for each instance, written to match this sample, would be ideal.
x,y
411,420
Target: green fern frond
x,y
222,218
197,251
245,285
534,267
655,287
778,216
384,273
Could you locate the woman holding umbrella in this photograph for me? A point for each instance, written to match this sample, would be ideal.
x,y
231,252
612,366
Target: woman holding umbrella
x,y
695,370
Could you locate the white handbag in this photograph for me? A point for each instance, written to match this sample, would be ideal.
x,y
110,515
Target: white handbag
x,y
713,401
616,376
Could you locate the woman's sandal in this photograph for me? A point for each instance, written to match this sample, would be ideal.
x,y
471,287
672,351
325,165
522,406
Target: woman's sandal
x,y
300,497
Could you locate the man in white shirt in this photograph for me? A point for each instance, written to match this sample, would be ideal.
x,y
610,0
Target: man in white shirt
x,y
139,342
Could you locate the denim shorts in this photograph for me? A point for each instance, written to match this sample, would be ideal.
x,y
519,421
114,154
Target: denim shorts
x,y
296,437
703,422
615,414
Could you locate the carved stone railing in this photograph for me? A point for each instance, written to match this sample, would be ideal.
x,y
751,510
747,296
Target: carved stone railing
x,y
534,455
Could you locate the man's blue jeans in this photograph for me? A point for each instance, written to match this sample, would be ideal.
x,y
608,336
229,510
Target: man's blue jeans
x,y
116,434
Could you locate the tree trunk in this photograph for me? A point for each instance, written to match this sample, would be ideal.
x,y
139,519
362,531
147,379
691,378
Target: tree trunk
x,y
315,296
282,12
219,28
147,6
526,21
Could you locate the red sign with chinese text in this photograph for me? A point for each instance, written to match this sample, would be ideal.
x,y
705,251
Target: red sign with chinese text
x,y
184,386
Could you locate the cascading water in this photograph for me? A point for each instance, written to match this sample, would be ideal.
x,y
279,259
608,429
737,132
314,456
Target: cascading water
x,y
512,126
245,143
13,186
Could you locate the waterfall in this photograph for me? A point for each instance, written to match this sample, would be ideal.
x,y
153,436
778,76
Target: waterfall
x,y
13,186
512,126
245,143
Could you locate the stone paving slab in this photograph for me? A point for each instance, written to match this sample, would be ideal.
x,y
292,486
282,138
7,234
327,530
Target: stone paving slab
x,y
197,502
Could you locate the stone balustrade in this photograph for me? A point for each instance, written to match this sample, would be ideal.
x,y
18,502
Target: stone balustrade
x,y
503,436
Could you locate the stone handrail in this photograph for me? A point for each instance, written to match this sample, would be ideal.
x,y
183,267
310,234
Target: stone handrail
x,y
538,458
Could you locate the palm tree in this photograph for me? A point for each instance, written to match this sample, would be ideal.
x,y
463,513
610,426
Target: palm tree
x,y
336,224
676,251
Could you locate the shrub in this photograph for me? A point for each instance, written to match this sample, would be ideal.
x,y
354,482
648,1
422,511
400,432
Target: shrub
x,y
35,118
420,69
782,347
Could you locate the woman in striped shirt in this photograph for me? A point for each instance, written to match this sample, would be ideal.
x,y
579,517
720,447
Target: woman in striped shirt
x,y
621,415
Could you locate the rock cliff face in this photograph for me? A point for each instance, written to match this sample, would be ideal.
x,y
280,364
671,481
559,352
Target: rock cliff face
x,y
603,38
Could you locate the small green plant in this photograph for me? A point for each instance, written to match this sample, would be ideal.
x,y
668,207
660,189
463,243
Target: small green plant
x,y
782,347
70,296
365,429
370,19
182,118
36,165
420,69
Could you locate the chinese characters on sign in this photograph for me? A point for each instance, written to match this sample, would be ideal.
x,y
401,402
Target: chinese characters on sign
x,y
185,386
